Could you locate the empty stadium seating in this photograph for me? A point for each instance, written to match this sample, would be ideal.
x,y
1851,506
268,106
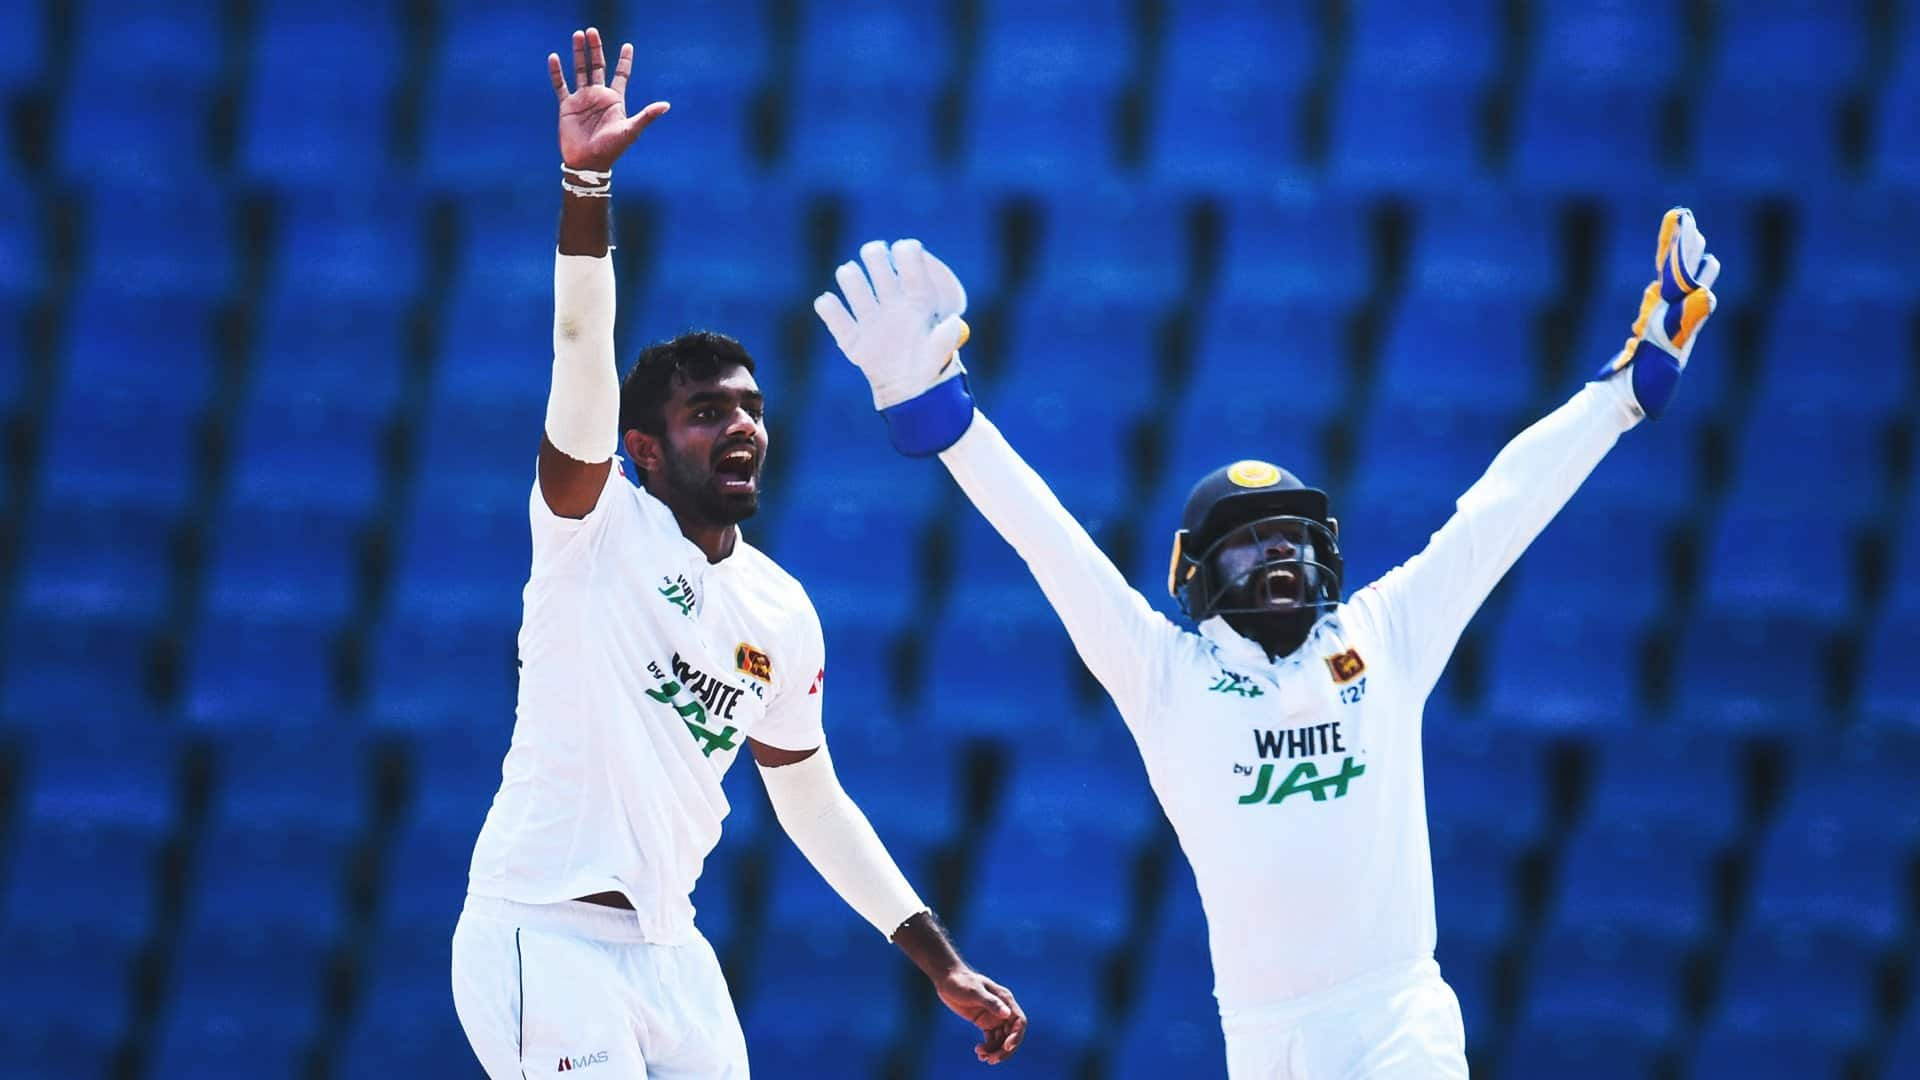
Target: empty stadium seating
x,y
274,340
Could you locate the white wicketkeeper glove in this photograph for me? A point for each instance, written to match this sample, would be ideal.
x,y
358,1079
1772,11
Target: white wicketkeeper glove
x,y
1672,310
904,331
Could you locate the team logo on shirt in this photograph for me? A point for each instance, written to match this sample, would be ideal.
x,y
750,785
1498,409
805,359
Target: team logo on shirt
x,y
753,662
1347,666
679,593
1232,682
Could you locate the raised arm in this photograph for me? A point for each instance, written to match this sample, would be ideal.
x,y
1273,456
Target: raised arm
x,y
1422,606
901,325
583,406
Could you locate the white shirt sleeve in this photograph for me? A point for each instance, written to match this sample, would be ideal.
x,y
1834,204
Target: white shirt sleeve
x,y
1419,609
793,714
1121,638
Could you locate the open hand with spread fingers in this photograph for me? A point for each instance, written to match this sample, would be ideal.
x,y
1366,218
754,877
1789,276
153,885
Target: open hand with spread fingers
x,y
594,126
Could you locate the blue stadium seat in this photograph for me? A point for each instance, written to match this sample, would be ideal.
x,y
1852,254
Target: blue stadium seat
x,y
1625,877
1638,776
1230,109
68,1001
1474,974
23,47
1062,981
709,60
314,459
1555,1051
502,130
165,75
1871,226
1118,243
463,557
1000,657
1563,664
85,880
880,47
496,346
1820,988
1485,244
346,124
1071,887
1102,789
276,557
1043,108
1410,466
172,333
1793,64
1889,681
1903,1048
244,996
1896,138
1438,347
1868,331
863,642
861,134
83,457
1587,559
1257,353
17,364
161,236
857,559
427,668
1734,1049
253,878
909,784
251,664
299,343
733,238
22,251
1067,336
351,242
479,452
1473,889
78,563
1590,99
53,660
385,1041
1746,670
334,802
857,1013
1607,980
1407,106
1077,443
1825,876
1297,243
1848,471
1763,561
1462,758
955,222
1222,422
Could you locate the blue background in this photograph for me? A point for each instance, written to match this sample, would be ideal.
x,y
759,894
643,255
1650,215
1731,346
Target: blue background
x,y
274,339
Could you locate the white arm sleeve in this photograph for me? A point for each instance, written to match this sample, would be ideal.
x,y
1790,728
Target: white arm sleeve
x,y
1116,632
1420,607
583,407
839,841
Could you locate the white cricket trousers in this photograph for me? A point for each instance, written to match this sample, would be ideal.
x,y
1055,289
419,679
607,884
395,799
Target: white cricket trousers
x,y
1400,1023
554,989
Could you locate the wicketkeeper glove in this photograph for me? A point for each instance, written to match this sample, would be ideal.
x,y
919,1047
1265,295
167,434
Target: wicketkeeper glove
x,y
904,331
1672,310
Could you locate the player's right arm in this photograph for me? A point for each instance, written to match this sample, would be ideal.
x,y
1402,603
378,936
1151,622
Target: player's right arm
x,y
901,325
583,405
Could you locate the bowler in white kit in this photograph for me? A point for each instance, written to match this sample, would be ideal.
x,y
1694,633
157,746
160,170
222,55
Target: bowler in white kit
x,y
1282,733
655,644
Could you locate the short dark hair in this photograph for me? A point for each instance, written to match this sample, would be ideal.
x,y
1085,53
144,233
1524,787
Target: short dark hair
x,y
696,356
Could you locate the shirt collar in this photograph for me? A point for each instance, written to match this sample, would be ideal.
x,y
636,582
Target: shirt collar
x,y
1241,649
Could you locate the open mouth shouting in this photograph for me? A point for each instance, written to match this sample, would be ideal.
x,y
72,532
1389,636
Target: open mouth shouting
x,y
737,470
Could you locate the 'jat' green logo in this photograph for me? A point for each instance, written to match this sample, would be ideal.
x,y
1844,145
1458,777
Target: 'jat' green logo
x,y
1304,777
695,714
1232,682
679,594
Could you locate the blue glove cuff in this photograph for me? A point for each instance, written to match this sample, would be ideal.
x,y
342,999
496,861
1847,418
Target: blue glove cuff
x,y
925,425
1655,374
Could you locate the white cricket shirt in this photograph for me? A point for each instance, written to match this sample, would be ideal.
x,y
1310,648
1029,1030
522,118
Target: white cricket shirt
x,y
1295,785
643,670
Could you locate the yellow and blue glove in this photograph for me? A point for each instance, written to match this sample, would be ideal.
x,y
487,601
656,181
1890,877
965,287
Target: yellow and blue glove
x,y
1672,311
901,326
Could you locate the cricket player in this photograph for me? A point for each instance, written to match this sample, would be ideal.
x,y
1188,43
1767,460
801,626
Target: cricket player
x,y
655,643
1282,734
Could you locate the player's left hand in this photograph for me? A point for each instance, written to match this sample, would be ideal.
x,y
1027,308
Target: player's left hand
x,y
988,1006
1672,310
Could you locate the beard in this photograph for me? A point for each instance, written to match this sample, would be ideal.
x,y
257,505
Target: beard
x,y
695,493
1279,632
